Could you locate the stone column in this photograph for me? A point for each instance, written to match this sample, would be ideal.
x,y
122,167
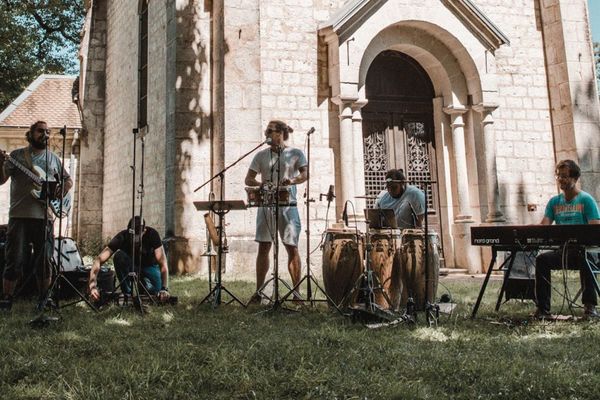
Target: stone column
x,y
465,255
358,171
460,157
489,153
347,190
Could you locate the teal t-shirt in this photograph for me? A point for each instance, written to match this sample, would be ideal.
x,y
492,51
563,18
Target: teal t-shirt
x,y
580,210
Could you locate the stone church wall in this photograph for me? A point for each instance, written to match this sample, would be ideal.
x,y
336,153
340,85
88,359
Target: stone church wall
x,y
273,69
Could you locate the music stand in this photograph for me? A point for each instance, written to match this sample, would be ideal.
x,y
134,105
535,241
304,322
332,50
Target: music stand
x,y
220,207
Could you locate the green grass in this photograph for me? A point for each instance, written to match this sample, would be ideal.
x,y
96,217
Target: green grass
x,y
195,351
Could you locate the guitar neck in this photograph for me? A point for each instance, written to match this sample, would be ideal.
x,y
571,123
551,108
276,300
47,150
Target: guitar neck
x,y
36,179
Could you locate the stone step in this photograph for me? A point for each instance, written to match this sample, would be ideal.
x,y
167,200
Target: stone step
x,y
453,271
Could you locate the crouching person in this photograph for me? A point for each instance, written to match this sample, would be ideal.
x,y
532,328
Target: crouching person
x,y
154,273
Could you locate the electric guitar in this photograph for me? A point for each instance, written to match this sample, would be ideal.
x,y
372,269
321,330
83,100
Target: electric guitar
x,y
39,178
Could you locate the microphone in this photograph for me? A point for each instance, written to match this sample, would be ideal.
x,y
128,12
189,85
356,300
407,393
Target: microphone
x,y
63,131
330,193
46,135
268,141
345,214
311,131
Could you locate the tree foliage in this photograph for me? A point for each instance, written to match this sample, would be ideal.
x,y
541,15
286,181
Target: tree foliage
x,y
37,37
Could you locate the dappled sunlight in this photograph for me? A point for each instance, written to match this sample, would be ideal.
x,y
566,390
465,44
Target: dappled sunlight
x,y
167,317
118,321
571,331
431,334
71,336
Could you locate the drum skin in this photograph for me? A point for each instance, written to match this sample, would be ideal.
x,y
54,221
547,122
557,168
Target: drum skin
x,y
342,263
414,272
386,265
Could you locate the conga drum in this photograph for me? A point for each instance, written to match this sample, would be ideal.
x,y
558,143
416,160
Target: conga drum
x,y
385,263
342,263
419,280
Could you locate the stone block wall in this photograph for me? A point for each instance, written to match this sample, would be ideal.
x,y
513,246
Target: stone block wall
x,y
525,158
89,227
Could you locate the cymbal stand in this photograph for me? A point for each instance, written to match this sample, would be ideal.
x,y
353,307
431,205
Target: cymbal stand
x,y
309,278
215,293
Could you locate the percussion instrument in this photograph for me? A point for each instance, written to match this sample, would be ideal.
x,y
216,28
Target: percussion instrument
x,y
414,271
386,265
343,254
261,197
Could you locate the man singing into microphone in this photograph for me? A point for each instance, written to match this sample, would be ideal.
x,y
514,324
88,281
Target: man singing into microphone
x,y
26,213
288,166
407,201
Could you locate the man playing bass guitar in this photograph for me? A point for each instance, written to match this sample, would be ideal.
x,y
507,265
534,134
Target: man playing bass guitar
x,y
27,210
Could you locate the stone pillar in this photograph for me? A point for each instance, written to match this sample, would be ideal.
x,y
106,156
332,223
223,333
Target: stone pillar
x,y
465,256
358,158
489,153
347,189
460,158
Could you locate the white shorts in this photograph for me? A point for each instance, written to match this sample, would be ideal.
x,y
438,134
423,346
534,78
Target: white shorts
x,y
289,225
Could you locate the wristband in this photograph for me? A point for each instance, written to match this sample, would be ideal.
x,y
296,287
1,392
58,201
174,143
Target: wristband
x,y
166,289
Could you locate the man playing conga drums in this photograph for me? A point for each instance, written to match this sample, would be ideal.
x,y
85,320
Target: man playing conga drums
x,y
407,201
289,166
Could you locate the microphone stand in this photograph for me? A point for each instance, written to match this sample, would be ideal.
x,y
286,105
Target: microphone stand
x,y
309,277
215,293
133,275
42,319
57,264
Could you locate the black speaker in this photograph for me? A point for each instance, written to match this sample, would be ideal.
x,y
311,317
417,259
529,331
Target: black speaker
x,y
521,281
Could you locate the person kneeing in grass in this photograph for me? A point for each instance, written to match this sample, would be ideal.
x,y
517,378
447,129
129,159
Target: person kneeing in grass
x,y
572,206
153,274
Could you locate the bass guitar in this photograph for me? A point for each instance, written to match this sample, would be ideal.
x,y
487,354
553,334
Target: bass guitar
x,y
39,179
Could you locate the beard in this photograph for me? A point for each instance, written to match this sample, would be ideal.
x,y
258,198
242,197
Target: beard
x,y
38,144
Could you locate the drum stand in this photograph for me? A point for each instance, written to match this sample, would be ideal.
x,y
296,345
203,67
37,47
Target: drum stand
x,y
364,288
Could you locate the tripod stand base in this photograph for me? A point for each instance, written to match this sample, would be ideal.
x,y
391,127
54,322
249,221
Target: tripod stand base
x,y
42,321
214,296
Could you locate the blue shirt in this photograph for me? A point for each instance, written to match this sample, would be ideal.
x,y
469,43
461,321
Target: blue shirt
x,y
406,207
580,210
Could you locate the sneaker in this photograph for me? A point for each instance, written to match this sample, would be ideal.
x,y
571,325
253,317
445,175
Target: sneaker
x,y
542,314
589,311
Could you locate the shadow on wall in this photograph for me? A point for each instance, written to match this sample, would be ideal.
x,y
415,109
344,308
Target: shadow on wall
x,y
189,127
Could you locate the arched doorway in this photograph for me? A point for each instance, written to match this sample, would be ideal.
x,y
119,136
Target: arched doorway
x,y
398,129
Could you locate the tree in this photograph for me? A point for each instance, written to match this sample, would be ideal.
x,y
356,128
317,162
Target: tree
x,y
37,37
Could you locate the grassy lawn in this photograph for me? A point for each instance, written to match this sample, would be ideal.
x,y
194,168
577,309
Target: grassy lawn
x,y
195,351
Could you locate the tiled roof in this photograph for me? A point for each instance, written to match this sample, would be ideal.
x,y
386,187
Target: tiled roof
x,y
48,98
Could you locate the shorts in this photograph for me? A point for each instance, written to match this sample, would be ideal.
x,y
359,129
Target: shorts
x,y
289,225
